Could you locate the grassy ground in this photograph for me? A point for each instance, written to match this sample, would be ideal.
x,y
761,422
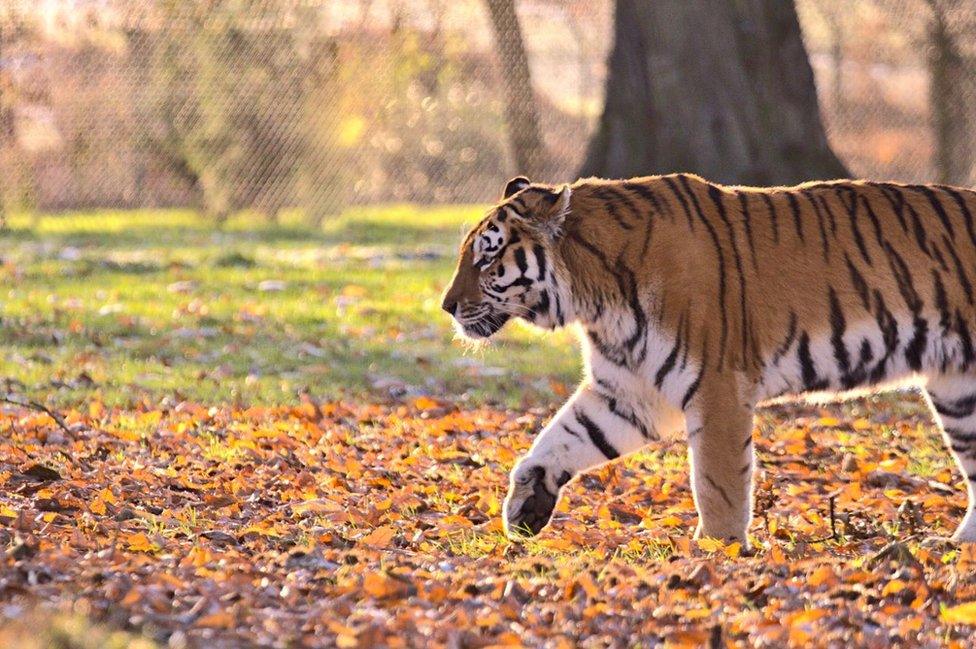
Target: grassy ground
x,y
138,305
195,499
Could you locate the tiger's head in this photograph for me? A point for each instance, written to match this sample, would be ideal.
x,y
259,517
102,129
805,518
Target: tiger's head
x,y
507,266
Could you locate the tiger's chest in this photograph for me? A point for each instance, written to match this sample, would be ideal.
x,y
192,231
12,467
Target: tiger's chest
x,y
654,362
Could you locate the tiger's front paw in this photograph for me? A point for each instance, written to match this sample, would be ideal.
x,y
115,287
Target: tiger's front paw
x,y
531,499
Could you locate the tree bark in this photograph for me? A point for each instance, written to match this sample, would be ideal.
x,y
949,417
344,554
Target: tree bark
x,y
521,112
951,87
722,88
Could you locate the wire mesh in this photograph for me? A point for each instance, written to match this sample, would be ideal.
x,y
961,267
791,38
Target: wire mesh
x,y
224,105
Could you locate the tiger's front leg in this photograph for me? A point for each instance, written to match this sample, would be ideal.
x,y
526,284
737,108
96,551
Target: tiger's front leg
x,y
592,428
722,457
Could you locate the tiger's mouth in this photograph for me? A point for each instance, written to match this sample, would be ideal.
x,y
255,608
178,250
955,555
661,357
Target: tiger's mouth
x,y
484,327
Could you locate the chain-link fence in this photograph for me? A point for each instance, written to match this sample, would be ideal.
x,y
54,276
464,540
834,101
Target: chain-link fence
x,y
273,105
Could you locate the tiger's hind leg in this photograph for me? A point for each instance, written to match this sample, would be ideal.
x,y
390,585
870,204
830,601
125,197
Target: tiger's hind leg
x,y
722,458
953,401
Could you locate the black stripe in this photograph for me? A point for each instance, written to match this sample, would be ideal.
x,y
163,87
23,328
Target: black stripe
x,y
906,286
958,409
875,222
772,215
716,195
959,435
597,437
866,354
610,198
747,220
693,388
681,199
543,305
838,326
521,261
669,362
916,346
889,333
939,258
686,335
721,269
795,208
629,417
720,490
919,231
790,337
855,229
624,198
960,271
968,352
540,260
626,284
807,368
572,432
936,205
860,285
830,213
896,206
644,192
964,210
941,302
899,203
825,244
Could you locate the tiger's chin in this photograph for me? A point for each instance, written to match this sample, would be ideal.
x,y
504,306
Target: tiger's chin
x,y
484,328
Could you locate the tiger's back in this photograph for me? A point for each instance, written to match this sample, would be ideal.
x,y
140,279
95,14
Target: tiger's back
x,y
824,286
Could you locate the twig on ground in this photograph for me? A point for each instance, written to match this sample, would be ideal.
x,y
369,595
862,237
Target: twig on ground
x,y
833,522
39,407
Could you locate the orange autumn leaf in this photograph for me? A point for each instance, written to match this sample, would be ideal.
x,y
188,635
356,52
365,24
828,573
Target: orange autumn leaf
x,y
380,585
710,545
425,403
139,542
380,537
218,620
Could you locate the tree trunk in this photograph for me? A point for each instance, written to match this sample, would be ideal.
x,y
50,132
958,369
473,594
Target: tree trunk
x,y
719,88
521,113
949,93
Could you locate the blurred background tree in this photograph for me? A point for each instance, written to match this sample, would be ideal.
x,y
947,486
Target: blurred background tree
x,y
723,89
952,87
251,129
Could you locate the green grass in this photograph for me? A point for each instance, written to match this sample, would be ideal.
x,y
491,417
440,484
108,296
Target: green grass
x,y
127,306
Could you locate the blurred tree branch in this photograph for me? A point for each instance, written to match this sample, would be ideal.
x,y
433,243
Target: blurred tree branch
x,y
521,111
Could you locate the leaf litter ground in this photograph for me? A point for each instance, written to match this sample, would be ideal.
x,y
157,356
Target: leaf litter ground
x,y
351,524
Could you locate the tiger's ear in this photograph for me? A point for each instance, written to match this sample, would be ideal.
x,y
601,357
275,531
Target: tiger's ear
x,y
515,185
552,223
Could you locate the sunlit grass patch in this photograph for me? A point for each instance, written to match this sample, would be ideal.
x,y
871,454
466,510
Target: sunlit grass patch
x,y
126,306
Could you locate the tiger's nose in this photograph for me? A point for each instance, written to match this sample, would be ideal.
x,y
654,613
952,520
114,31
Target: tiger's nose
x,y
449,305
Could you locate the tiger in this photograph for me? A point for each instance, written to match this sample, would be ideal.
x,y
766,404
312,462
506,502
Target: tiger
x,y
696,303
